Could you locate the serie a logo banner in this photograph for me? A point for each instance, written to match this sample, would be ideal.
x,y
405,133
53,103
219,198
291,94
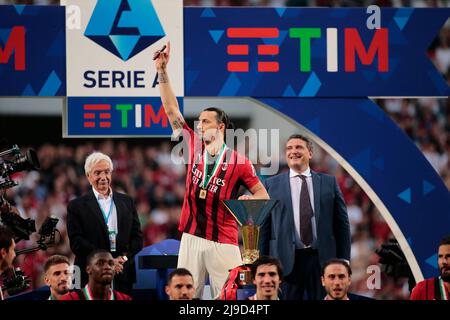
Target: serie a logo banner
x,y
111,77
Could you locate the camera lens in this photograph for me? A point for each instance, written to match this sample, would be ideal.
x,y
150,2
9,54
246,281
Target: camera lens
x,y
27,162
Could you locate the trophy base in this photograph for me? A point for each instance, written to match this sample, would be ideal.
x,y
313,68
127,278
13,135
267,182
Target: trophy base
x,y
249,256
245,277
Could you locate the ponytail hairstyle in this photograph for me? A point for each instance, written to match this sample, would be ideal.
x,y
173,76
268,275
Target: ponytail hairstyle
x,y
221,117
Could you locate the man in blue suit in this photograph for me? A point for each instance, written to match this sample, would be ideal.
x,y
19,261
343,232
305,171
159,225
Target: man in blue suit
x,y
308,226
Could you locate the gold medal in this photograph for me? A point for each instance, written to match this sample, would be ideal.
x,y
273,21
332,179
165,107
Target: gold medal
x,y
207,178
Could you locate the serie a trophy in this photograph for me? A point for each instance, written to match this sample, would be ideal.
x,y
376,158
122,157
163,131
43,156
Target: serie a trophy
x,y
250,215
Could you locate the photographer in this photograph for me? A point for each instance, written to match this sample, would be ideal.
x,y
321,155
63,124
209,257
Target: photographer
x,y
7,245
14,227
7,253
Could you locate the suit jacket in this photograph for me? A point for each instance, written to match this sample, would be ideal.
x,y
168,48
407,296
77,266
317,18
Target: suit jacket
x,y
333,230
88,231
353,296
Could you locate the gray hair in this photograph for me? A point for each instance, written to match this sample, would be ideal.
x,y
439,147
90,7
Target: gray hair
x,y
95,158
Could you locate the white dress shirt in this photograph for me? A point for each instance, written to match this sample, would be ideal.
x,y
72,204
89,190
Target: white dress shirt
x,y
296,188
105,204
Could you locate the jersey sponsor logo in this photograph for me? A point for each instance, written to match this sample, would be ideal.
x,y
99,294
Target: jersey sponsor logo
x,y
213,185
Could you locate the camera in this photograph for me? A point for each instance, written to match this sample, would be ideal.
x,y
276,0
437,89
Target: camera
x,y
12,161
47,230
15,282
21,227
393,262
18,163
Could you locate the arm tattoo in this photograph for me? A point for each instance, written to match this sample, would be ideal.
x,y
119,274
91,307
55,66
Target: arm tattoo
x,y
178,123
162,77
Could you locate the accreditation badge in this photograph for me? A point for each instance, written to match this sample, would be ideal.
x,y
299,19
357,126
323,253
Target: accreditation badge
x,y
112,240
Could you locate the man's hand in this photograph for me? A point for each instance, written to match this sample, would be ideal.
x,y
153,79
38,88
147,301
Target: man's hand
x,y
161,57
258,192
246,197
118,264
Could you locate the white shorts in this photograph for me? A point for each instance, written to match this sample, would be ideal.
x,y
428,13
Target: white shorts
x,y
207,258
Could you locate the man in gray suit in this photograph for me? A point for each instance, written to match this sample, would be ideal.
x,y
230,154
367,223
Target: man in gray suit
x,y
308,226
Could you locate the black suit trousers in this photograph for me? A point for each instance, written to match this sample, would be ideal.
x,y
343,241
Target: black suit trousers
x,y
304,283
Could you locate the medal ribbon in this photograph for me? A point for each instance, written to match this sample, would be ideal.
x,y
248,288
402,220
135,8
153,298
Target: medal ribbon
x,y
88,295
205,181
444,294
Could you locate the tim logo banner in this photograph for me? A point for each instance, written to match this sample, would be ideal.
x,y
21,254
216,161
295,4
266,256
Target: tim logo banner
x,y
120,116
32,51
308,52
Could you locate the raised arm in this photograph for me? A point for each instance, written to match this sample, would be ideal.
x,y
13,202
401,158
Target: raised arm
x,y
168,98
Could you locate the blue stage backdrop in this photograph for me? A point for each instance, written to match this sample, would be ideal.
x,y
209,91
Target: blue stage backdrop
x,y
257,52
407,191
282,57
32,51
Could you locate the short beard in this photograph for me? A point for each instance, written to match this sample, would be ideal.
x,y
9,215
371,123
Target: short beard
x,y
445,277
61,292
105,282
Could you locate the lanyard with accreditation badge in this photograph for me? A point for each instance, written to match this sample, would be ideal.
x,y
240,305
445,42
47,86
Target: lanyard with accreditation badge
x,y
206,180
111,233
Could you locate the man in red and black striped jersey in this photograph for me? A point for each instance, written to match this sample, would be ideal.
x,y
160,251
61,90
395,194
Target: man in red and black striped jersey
x,y
209,244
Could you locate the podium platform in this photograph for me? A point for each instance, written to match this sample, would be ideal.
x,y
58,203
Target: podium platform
x,y
245,292
153,264
41,293
158,262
